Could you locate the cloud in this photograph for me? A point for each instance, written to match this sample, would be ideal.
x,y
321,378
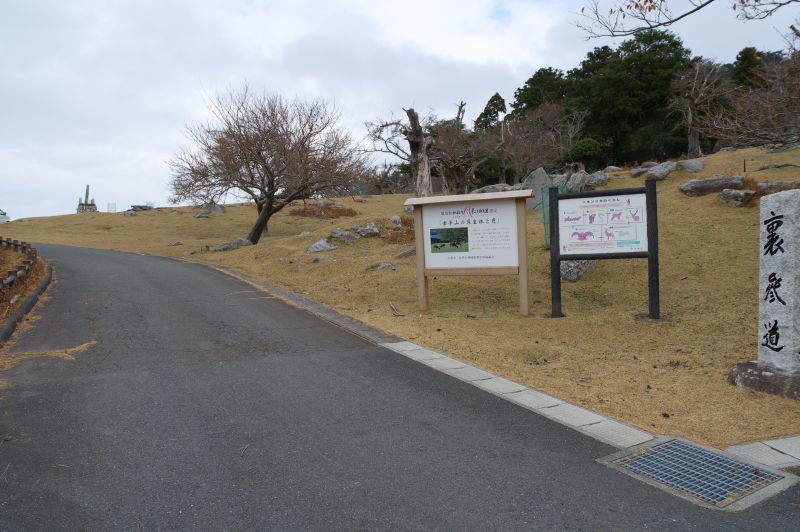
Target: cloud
x,y
99,92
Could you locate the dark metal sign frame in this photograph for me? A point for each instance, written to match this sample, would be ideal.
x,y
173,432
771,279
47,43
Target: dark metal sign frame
x,y
652,244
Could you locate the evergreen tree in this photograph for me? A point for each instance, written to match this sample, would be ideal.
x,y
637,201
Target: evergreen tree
x,y
490,116
546,85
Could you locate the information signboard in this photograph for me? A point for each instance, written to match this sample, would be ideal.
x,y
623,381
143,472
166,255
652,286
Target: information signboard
x,y
602,225
609,224
472,234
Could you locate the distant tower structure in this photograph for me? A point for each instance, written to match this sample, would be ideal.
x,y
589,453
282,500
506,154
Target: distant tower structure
x,y
84,205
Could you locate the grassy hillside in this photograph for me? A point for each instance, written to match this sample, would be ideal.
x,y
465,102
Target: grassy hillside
x,y
668,378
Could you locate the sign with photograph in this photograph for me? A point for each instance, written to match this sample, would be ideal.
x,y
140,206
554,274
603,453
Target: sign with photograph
x,y
471,234
476,234
602,224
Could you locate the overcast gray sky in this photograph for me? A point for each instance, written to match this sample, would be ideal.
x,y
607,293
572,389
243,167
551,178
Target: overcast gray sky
x,y
99,91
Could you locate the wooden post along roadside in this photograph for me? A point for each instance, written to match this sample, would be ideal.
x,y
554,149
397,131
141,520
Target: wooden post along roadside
x,y
472,234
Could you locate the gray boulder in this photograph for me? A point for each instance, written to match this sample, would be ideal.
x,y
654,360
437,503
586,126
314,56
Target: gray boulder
x,y
409,253
498,187
572,270
201,214
775,166
396,220
140,208
346,236
129,213
577,182
233,244
559,180
212,206
778,186
408,208
176,243
728,148
636,172
305,233
368,230
648,164
610,168
660,171
691,165
701,187
535,181
320,245
736,198
598,179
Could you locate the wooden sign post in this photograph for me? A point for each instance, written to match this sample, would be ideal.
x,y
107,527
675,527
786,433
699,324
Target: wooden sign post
x,y
472,234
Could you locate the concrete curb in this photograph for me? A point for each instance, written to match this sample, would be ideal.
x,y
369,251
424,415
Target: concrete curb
x,y
12,321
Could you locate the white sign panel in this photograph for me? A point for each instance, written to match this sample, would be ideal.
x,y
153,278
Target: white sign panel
x,y
606,224
474,234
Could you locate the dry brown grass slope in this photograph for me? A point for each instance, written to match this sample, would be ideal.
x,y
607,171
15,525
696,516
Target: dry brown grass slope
x,y
667,378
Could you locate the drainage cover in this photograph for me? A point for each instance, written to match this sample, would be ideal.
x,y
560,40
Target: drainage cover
x,y
711,477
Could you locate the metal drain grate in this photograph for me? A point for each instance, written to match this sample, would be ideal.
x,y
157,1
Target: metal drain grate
x,y
711,477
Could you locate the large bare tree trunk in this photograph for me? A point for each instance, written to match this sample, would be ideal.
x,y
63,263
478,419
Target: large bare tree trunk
x,y
419,145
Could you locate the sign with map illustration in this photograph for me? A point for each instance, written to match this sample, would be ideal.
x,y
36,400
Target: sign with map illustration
x,y
470,234
602,225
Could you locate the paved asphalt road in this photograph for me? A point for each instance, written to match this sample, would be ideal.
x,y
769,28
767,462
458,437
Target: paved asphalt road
x,y
205,406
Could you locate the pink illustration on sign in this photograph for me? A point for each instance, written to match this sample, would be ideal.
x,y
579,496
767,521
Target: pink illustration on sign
x,y
568,219
609,234
635,215
592,217
616,217
583,235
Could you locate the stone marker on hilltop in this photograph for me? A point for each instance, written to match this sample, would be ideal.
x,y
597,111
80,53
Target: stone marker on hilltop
x,y
778,367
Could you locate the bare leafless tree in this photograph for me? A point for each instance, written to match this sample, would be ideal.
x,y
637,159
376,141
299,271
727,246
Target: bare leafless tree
x,y
458,152
621,18
542,137
391,137
702,89
759,116
268,149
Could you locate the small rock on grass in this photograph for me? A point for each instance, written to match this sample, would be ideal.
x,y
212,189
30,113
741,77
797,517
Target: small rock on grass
x,y
396,220
736,198
410,253
691,165
346,236
701,187
201,215
368,230
233,244
317,260
572,270
320,245
382,266
176,243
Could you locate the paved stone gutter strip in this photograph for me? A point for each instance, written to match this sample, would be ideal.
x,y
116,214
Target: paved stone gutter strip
x,y
599,427
12,321
780,453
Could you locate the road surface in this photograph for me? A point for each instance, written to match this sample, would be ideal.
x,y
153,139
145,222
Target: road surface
x,y
205,405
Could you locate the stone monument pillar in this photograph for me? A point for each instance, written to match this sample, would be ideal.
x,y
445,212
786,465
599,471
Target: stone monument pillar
x,y
778,367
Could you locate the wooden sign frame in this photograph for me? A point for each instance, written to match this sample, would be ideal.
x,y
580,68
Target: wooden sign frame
x,y
521,270
651,205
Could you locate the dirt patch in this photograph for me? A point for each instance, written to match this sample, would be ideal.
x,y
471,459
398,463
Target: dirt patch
x,y
668,378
